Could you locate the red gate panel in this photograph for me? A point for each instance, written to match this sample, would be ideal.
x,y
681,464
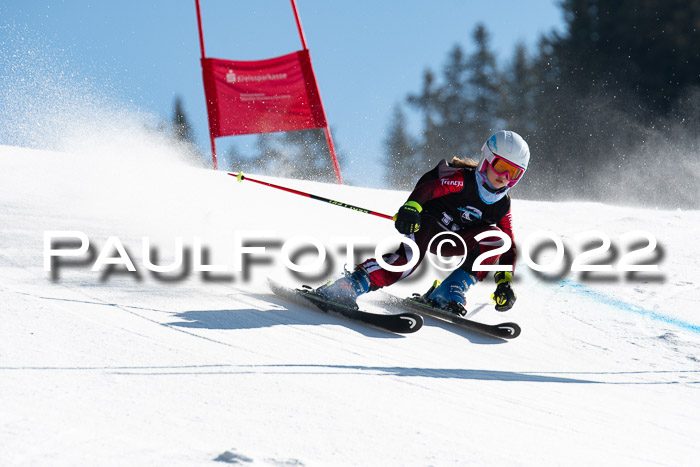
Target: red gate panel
x,y
262,96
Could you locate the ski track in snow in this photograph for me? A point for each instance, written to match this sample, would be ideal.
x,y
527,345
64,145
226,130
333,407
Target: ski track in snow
x,y
622,305
113,369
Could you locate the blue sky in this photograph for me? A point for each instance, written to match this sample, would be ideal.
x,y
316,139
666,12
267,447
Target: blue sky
x,y
367,55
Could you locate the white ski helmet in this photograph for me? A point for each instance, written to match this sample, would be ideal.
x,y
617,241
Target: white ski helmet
x,y
506,145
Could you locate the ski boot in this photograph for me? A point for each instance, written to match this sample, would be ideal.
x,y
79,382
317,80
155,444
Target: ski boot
x,y
346,289
449,295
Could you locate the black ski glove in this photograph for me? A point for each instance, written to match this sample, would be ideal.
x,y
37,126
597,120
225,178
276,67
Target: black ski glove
x,y
504,295
407,220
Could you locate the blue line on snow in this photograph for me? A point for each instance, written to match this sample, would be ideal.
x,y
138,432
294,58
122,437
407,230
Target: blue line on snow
x,y
622,305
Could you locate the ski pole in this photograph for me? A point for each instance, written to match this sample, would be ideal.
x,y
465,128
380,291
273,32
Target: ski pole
x,y
240,177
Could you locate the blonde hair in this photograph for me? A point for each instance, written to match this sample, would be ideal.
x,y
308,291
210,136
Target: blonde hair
x,y
466,163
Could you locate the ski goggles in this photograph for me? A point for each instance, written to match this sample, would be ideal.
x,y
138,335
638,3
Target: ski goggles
x,y
504,167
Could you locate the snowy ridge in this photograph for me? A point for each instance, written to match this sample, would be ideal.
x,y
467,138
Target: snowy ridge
x,y
190,368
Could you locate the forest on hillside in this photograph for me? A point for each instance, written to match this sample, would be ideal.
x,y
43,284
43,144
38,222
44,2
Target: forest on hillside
x,y
609,107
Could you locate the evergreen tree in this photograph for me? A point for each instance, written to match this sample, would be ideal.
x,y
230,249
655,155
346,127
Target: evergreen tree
x,y
484,91
308,155
238,162
647,46
427,105
180,123
300,154
618,85
519,92
459,112
607,92
453,105
182,135
401,162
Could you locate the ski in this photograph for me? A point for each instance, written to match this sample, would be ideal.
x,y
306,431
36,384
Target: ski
x,y
501,331
401,323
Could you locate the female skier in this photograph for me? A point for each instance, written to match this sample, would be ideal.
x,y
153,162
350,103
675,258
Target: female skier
x,y
465,197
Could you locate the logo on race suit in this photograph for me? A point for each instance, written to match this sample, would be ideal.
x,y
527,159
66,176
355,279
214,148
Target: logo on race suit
x,y
470,213
446,219
458,183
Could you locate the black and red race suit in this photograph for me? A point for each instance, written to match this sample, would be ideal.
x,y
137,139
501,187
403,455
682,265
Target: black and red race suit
x,y
451,203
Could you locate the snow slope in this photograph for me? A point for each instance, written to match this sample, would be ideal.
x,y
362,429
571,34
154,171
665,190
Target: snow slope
x,y
188,368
